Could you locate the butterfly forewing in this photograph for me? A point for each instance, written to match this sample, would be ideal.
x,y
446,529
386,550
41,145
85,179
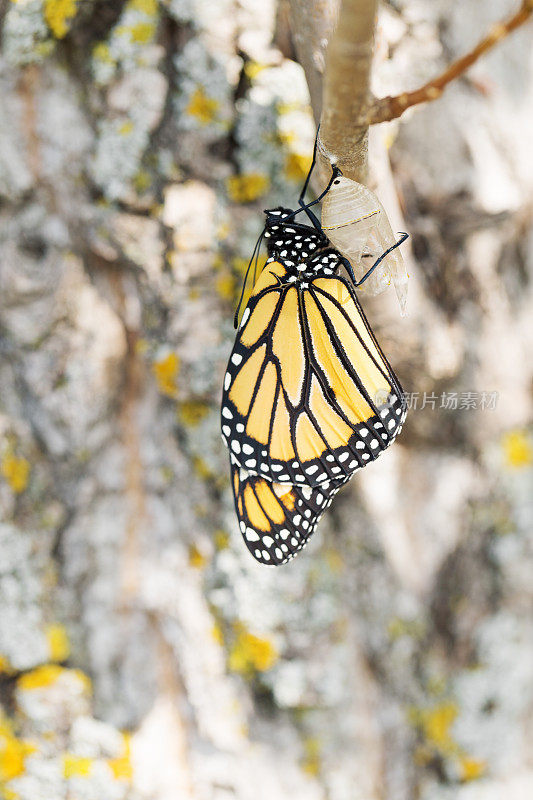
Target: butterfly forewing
x,y
308,395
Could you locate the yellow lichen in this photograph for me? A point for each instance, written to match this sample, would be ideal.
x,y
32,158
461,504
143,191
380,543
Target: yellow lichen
x,y
142,180
13,751
219,262
202,107
221,539
126,128
223,231
142,33
16,471
334,560
167,473
312,758
192,412
5,666
102,53
59,15
297,167
141,347
436,685
470,769
166,371
48,674
226,286
436,724
517,448
251,654
200,510
252,69
399,627
197,559
247,188
149,7
121,767
58,643
76,766
201,468
40,677
217,635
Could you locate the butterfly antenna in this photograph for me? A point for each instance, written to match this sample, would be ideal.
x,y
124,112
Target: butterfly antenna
x,y
258,250
255,255
301,199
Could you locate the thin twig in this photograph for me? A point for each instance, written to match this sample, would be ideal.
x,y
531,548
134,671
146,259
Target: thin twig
x,y
388,108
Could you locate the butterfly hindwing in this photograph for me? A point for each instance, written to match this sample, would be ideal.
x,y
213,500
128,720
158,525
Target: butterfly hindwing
x,y
277,520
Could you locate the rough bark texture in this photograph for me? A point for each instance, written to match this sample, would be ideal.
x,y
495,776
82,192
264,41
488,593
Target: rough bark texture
x,y
143,654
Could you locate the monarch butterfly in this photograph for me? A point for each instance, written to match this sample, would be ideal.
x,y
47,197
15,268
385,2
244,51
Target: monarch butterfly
x,y
355,222
309,397
277,519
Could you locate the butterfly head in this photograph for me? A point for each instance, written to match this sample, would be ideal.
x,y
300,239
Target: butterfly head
x,y
289,242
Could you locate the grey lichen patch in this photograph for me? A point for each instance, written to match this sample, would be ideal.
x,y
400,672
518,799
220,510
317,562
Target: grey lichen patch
x,y
15,173
204,99
130,44
136,105
181,10
25,34
127,64
25,561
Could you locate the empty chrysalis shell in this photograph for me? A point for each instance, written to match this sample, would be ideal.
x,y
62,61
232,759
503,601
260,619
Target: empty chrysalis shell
x,y
355,222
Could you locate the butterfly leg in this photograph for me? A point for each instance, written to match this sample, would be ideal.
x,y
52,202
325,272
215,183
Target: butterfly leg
x,y
301,199
335,172
401,240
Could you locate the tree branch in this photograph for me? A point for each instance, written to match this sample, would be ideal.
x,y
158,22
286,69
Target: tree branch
x,y
311,26
346,91
388,108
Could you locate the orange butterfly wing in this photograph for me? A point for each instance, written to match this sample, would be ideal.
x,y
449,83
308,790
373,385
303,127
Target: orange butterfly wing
x,y
308,394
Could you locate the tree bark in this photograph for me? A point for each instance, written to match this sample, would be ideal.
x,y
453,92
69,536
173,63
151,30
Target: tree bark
x,y
143,654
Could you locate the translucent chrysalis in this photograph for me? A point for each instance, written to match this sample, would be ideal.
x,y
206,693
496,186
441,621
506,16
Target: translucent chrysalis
x,y
356,224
